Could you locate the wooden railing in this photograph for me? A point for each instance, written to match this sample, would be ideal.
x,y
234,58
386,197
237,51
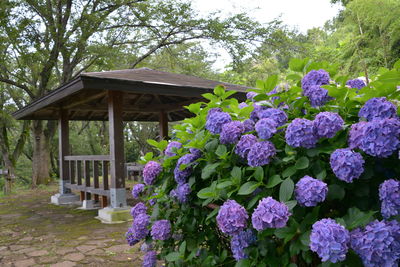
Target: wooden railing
x,y
81,171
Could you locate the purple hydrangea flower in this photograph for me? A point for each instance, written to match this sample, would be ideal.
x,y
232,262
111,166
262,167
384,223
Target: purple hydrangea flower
x,y
266,128
254,114
346,164
161,230
389,194
356,134
232,217
182,175
195,152
244,145
243,105
309,191
212,111
153,201
314,78
378,244
327,124
139,226
356,83
231,132
150,172
329,240
145,247
381,138
215,121
139,208
248,125
270,214
251,95
318,96
136,190
300,133
181,193
130,238
260,153
279,116
240,241
171,148
378,108
150,259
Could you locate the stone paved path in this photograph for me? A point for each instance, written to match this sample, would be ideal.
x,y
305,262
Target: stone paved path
x,y
36,233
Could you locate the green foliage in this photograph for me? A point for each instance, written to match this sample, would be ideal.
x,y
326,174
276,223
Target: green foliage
x,y
220,175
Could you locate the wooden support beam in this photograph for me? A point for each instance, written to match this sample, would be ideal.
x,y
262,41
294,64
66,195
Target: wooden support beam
x,y
63,146
163,124
117,161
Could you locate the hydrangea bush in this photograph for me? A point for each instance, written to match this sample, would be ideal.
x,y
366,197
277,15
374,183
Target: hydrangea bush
x,y
305,172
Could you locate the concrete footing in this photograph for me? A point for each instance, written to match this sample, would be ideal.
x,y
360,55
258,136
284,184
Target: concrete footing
x,y
64,199
114,215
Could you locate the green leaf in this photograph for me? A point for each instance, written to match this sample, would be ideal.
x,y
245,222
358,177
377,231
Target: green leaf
x,y
291,204
302,163
286,190
221,150
209,96
356,218
296,64
205,193
152,142
335,192
212,214
208,170
173,256
212,145
182,248
259,174
293,77
248,188
305,238
271,82
289,171
224,184
273,181
243,263
219,90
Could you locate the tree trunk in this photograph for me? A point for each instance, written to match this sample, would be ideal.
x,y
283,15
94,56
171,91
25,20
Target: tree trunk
x,y
41,155
9,177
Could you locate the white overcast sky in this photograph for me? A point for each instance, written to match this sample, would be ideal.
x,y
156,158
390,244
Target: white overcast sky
x,y
303,14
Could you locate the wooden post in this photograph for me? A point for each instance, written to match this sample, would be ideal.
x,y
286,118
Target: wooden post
x,y
63,143
117,161
163,124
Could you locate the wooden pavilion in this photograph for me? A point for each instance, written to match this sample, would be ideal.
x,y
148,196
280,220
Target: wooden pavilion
x,y
122,95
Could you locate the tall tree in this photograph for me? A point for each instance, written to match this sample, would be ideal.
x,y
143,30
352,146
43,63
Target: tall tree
x,y
49,42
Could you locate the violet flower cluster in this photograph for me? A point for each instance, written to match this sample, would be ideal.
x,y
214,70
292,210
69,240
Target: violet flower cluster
x,y
171,148
300,133
378,244
311,85
161,230
150,172
261,153
378,108
251,95
137,190
265,128
139,229
329,240
181,193
232,217
277,115
231,132
346,164
139,208
270,214
215,120
240,241
244,145
355,134
389,195
256,111
150,259
356,83
327,124
182,175
248,125
309,191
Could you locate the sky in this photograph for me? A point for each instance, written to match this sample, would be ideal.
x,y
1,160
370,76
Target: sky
x,y
302,14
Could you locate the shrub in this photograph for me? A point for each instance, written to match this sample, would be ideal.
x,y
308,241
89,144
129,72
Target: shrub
x,y
304,186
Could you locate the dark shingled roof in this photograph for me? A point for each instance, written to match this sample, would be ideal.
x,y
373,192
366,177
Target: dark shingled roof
x,y
146,93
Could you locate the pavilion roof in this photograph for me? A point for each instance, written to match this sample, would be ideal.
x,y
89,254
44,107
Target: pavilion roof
x,y
147,92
